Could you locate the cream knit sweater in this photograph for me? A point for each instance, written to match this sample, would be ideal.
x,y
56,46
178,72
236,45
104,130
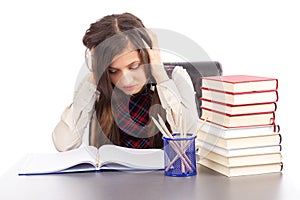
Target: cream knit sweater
x,y
177,97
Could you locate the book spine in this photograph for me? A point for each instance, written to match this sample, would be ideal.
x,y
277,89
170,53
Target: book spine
x,y
276,104
97,161
276,84
276,128
280,138
273,119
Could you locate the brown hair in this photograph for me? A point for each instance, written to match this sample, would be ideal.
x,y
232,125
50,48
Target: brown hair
x,y
107,38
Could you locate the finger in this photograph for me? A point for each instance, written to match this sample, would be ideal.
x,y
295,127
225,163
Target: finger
x,y
154,56
153,38
146,45
91,79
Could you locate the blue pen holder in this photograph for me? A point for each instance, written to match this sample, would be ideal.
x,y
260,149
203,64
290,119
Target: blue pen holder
x,y
180,156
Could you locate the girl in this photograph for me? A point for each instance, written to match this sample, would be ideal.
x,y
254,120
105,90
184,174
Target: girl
x,y
127,85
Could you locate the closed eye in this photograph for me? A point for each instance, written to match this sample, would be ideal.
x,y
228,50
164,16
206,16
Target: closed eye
x,y
136,66
133,66
112,71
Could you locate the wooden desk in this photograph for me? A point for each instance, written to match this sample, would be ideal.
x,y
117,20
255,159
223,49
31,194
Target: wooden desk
x,y
143,185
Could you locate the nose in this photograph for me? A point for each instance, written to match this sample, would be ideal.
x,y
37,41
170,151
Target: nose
x,y
126,78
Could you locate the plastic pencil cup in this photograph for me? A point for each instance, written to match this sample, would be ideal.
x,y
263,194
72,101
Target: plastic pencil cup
x,y
180,155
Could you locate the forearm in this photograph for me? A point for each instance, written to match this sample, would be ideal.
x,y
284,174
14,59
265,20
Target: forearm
x,y
178,99
68,132
65,135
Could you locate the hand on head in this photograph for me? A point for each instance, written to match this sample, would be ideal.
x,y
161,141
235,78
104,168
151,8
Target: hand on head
x,y
156,64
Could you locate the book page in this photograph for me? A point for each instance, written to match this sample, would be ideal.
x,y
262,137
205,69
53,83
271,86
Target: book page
x,y
57,162
139,159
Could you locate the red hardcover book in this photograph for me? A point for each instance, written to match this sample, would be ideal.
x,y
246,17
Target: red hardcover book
x,y
241,98
238,109
239,83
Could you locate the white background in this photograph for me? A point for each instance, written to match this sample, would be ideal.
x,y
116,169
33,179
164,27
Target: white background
x,y
41,54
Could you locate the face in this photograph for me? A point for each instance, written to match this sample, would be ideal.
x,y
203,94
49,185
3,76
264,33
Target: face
x,y
127,73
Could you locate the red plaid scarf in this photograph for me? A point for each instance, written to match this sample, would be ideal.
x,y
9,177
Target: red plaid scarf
x,y
131,114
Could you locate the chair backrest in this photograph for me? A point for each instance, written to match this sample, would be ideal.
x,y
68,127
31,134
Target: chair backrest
x,y
196,70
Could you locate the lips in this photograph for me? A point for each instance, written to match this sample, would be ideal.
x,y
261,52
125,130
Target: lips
x,y
129,88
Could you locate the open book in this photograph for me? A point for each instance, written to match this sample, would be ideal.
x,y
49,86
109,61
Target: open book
x,y
89,158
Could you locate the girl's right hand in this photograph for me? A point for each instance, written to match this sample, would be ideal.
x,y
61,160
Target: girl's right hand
x,y
157,66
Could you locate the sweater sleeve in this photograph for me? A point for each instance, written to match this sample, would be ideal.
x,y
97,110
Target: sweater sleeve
x,y
177,97
68,132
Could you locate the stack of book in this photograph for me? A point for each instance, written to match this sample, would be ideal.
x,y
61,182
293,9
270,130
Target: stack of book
x,y
240,136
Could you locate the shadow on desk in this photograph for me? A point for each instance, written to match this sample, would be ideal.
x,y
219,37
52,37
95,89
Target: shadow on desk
x,y
265,186
140,185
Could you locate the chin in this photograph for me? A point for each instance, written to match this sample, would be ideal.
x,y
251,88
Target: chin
x,y
132,92
129,92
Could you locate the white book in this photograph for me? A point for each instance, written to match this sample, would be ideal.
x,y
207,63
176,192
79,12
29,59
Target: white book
x,y
242,142
204,148
238,132
240,109
242,170
235,161
89,158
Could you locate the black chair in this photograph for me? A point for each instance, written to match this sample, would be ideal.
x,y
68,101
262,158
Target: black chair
x,y
196,70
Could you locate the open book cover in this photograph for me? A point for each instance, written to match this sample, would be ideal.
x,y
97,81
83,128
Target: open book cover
x,y
89,158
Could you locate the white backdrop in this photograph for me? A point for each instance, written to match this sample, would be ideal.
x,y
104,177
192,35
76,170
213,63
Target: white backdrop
x,y
41,54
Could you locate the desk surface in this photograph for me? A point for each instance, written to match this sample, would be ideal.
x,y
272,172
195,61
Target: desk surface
x,y
145,185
